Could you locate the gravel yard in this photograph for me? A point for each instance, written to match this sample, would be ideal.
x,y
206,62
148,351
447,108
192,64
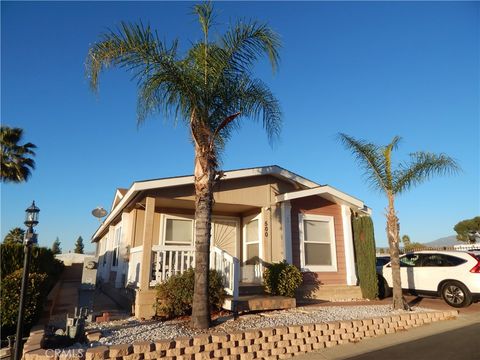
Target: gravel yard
x,y
131,330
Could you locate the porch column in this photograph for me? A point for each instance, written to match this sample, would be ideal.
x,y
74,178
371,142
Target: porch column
x,y
287,229
147,243
348,243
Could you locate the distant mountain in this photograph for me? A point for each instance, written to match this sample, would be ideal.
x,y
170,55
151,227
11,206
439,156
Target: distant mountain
x,y
445,241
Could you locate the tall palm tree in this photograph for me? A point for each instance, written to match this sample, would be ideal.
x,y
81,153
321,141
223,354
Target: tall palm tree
x,y
14,236
210,87
16,163
376,162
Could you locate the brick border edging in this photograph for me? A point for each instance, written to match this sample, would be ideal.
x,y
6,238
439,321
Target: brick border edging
x,y
270,343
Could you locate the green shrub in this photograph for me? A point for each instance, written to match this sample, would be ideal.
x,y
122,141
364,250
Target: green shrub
x,y
42,261
10,299
282,279
175,296
364,240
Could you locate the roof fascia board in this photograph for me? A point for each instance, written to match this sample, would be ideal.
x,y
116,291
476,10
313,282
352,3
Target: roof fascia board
x,y
323,190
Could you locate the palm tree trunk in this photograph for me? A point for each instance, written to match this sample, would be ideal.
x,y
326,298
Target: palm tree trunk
x,y
204,181
399,302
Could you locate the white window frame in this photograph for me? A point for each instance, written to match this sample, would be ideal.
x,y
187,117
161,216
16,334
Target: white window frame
x,y
163,231
117,240
333,244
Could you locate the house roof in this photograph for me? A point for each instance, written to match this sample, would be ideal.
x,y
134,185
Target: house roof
x,y
329,193
122,198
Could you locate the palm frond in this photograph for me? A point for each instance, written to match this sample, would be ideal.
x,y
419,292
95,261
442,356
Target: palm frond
x,y
244,44
422,166
132,46
369,157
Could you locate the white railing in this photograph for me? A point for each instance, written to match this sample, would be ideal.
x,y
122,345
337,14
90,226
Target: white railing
x,y
172,260
229,267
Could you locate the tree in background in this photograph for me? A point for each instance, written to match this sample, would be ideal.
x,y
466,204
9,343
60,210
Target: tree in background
x,y
14,236
376,162
56,247
406,240
16,162
468,230
79,246
210,87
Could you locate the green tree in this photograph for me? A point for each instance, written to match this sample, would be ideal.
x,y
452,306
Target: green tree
x,y
376,162
468,230
415,246
16,162
210,87
79,246
56,246
14,236
406,240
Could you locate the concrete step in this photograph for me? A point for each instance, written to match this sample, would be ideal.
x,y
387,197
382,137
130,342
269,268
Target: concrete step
x,y
259,303
250,289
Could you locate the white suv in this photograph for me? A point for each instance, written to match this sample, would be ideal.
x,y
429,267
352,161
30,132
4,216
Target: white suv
x,y
453,275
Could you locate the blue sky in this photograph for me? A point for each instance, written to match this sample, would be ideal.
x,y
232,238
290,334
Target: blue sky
x,y
369,69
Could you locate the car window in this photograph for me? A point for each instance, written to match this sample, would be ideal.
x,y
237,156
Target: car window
x,y
382,261
410,260
442,260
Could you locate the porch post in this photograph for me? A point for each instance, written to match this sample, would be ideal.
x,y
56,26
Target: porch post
x,y
147,243
348,243
287,229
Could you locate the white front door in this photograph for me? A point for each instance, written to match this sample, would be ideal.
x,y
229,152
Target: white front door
x,y
251,264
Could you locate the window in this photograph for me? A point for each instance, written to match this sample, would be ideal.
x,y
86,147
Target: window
x,y
178,231
442,260
317,243
411,260
116,245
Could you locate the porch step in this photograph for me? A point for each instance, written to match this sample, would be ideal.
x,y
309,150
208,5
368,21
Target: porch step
x,y
250,289
259,303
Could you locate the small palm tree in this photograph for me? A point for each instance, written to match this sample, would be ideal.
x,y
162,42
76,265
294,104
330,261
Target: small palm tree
x,y
14,236
210,87
16,165
376,162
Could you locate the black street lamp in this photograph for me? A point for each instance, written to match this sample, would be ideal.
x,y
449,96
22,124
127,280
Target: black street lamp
x,y
31,220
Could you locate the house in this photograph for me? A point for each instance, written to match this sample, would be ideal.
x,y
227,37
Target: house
x,y
260,215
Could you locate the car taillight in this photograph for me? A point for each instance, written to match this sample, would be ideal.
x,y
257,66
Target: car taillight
x,y
476,268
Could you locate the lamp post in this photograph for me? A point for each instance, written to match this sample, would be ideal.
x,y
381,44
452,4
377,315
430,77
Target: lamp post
x,y
31,220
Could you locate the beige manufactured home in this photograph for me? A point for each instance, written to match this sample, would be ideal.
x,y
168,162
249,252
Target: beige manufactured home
x,y
261,215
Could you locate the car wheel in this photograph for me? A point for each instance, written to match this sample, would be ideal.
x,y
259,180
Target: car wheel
x,y
383,290
456,294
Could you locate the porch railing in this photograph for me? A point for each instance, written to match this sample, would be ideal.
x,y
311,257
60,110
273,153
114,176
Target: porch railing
x,y
229,267
172,260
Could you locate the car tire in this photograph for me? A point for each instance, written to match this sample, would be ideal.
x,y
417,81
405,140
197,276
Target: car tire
x,y
455,294
383,290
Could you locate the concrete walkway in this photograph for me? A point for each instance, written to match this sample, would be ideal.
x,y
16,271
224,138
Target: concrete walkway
x,y
370,345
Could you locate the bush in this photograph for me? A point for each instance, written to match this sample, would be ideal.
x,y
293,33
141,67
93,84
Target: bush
x,y
42,261
364,240
175,296
10,299
282,279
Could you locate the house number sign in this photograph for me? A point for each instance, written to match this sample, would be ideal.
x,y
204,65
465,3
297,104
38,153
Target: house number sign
x,y
265,229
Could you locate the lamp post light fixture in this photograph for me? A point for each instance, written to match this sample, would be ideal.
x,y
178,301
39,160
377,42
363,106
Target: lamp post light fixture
x,y
31,220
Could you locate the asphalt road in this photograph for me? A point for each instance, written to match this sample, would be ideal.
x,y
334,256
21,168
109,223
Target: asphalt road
x,y
458,344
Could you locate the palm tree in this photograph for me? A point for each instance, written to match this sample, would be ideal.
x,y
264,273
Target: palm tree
x,y
14,236
376,162
16,164
210,87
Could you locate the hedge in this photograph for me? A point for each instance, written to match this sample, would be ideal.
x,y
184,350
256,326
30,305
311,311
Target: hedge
x,y
282,279
364,240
